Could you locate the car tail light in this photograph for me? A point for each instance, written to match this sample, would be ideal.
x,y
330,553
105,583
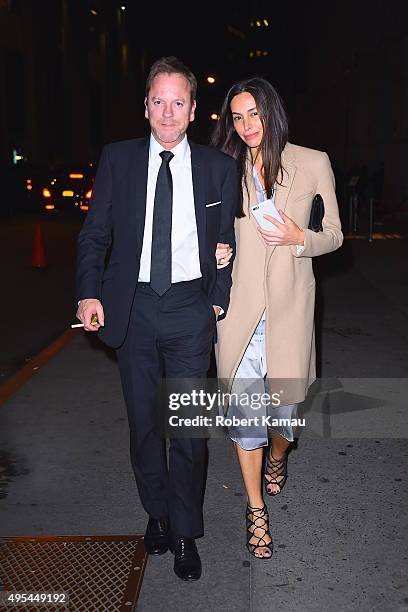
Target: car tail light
x,y
88,194
76,176
49,206
84,207
46,193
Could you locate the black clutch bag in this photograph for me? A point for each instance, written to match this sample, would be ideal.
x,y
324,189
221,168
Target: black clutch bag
x,y
317,214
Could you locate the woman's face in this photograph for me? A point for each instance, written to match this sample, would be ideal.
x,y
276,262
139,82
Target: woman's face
x,y
247,122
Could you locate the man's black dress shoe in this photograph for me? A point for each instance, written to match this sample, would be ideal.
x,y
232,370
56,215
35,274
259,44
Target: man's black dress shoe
x,y
187,562
156,540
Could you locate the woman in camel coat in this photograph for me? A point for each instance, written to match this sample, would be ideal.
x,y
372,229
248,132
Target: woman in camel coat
x,y
268,332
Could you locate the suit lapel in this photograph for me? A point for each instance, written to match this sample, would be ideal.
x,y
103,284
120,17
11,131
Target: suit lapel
x,y
137,188
197,170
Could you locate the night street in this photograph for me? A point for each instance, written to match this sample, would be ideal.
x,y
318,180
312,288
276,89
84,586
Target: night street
x,y
168,132
40,302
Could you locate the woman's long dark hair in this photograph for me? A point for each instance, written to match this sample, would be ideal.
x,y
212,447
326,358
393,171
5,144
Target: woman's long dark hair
x,y
275,136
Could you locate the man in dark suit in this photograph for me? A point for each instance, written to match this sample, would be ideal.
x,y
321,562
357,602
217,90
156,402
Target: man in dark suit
x,y
159,206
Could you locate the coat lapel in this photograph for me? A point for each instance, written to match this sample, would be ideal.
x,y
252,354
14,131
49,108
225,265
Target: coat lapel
x,y
137,188
197,170
289,171
282,191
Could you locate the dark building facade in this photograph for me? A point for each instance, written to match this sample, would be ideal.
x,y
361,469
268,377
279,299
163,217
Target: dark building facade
x,y
72,75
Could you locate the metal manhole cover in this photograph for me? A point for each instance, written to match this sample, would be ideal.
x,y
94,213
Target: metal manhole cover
x,y
96,573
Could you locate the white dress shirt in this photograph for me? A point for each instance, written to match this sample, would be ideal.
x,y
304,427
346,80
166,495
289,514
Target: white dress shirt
x,y
185,259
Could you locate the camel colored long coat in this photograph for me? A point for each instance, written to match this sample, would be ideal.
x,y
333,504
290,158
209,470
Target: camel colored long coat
x,y
280,280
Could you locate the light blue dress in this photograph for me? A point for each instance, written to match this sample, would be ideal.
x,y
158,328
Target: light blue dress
x,y
251,382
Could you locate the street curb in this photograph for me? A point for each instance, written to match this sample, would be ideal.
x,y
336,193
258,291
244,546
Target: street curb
x,y
13,384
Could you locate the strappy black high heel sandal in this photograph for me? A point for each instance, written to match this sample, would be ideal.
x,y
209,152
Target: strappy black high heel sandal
x,y
257,520
276,473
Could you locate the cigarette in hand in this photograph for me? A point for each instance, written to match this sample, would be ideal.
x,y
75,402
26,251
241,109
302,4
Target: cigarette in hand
x,y
94,321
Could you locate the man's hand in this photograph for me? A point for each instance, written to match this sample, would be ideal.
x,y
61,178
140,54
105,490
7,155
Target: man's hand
x,y
284,234
223,255
86,309
217,311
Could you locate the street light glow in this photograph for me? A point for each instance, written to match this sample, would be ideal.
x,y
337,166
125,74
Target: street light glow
x,y
210,79
215,117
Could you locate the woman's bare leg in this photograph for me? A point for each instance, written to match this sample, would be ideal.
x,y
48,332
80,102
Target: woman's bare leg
x,y
279,446
250,462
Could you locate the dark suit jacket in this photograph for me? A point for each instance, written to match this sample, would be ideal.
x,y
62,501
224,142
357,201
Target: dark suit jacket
x,y
110,242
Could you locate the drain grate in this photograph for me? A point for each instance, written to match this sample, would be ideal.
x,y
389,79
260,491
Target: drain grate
x,y
98,573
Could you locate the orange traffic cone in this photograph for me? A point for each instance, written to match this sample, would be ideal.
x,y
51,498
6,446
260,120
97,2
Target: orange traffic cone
x,y
38,257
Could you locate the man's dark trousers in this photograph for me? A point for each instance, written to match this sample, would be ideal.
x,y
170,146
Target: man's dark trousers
x,y
168,336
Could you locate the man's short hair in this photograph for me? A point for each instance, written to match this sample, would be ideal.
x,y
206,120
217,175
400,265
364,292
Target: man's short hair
x,y
171,65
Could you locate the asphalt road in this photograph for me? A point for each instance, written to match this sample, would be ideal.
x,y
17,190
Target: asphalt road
x,y
37,305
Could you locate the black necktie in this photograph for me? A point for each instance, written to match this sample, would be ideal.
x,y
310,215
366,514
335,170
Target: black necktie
x,y
160,269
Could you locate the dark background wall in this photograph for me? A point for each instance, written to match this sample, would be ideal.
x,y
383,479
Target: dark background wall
x,y
72,74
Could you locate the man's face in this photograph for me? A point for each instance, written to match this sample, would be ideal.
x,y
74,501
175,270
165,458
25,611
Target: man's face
x,y
169,108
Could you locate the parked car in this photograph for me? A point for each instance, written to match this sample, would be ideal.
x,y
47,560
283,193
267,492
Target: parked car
x,y
68,190
20,187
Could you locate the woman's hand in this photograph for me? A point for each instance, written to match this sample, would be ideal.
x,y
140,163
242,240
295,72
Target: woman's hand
x,y
284,234
223,255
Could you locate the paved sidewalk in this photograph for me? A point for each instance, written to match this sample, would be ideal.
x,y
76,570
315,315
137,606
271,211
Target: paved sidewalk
x,y
340,524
